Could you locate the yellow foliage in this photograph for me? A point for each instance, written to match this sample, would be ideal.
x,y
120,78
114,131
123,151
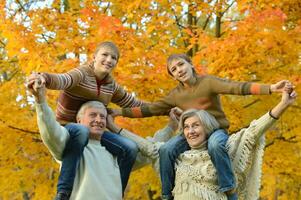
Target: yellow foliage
x,y
262,44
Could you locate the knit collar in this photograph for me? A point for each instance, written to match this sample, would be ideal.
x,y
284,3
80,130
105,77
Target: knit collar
x,y
202,146
107,79
196,77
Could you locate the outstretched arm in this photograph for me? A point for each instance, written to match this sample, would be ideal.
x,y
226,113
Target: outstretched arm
x,y
59,81
54,136
288,98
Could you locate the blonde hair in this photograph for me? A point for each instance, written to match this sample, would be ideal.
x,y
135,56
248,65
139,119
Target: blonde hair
x,y
110,45
208,122
89,104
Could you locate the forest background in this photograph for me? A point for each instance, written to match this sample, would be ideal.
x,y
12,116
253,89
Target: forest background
x,y
244,40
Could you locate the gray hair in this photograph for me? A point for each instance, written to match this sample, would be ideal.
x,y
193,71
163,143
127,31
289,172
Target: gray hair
x,y
89,104
208,122
110,45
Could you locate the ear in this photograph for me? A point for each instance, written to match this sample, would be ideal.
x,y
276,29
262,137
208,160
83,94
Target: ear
x,y
78,120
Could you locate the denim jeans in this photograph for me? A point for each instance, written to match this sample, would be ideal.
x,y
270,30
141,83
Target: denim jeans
x,y
170,151
79,137
123,148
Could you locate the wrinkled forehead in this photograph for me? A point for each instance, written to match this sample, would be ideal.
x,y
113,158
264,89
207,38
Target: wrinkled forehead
x,y
191,119
96,109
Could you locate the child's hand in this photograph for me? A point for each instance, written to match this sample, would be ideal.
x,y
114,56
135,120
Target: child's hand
x,y
280,86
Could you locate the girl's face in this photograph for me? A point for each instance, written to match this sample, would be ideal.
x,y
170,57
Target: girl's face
x,y
194,131
181,70
105,60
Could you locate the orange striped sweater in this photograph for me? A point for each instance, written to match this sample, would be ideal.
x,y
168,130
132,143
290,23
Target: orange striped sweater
x,y
79,86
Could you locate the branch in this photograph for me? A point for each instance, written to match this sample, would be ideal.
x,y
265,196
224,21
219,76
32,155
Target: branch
x,y
108,6
23,130
227,8
281,138
21,6
297,107
44,37
207,21
124,20
180,26
250,104
20,129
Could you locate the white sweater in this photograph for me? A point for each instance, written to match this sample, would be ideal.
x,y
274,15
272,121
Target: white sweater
x,y
98,176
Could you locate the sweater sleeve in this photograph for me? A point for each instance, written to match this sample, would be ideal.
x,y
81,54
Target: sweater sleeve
x,y
158,108
224,86
65,80
53,135
244,144
149,148
124,99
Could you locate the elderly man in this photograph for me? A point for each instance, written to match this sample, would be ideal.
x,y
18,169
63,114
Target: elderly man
x,y
97,176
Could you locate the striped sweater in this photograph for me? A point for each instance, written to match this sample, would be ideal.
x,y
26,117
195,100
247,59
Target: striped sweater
x,y
81,85
203,94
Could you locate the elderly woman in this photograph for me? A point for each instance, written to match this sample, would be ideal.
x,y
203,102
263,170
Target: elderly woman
x,y
196,177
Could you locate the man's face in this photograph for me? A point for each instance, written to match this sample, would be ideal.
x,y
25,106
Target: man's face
x,y
105,60
181,70
94,119
194,131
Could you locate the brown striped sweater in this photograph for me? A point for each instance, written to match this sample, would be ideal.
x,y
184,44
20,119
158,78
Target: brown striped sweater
x,y
79,86
204,94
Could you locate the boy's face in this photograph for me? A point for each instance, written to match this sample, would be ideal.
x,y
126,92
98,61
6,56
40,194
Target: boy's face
x,y
181,70
94,119
105,60
194,131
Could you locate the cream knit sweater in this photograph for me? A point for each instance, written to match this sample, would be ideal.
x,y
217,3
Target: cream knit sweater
x,y
98,176
195,174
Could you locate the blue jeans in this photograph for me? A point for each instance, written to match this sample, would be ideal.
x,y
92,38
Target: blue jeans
x,y
123,148
170,151
79,137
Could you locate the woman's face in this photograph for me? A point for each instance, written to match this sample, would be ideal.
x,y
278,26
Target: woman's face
x,y
105,60
181,70
194,131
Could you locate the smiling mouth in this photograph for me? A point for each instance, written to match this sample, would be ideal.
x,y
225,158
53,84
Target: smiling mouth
x,y
182,75
107,66
98,126
193,137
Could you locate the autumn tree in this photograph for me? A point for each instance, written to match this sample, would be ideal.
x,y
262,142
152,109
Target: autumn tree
x,y
254,40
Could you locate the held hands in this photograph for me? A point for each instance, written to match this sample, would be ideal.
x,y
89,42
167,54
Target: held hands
x,y
115,112
36,87
289,95
279,86
111,125
174,116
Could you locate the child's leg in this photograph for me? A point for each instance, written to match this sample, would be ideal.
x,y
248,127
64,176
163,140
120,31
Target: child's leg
x,y
221,160
168,153
126,151
79,137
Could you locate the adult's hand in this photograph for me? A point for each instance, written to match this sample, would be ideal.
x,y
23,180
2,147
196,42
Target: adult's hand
x,y
280,86
174,116
37,88
111,124
114,112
